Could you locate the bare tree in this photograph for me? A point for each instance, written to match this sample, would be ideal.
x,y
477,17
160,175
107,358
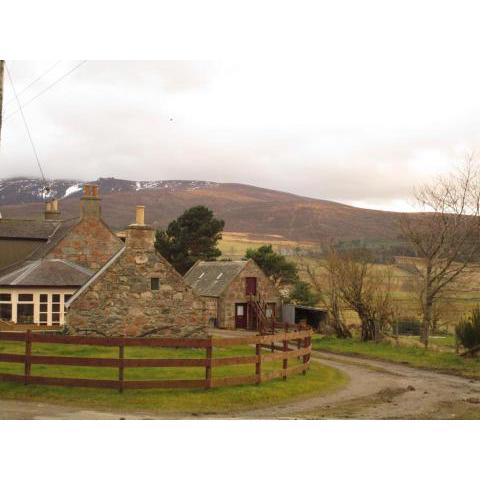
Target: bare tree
x,y
360,287
445,235
327,290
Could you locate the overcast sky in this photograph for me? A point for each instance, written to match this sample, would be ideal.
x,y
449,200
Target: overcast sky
x,y
360,128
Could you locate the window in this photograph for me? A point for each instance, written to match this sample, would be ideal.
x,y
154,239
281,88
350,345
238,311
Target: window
x,y
219,276
25,297
25,313
56,309
5,297
270,310
43,309
5,311
251,285
154,283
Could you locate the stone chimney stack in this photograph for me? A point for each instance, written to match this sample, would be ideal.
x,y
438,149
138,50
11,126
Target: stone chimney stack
x,y
51,212
140,236
90,202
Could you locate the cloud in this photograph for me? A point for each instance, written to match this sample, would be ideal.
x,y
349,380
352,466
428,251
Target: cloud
x,y
287,126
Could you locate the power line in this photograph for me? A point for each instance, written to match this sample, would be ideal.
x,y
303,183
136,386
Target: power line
x,y
26,125
46,89
33,82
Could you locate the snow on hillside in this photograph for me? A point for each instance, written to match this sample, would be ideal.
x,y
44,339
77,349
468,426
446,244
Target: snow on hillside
x,y
73,189
26,190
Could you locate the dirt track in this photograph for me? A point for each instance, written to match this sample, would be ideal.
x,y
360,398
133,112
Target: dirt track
x,y
380,390
376,390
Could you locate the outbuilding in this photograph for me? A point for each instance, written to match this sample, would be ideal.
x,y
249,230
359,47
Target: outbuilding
x,y
237,293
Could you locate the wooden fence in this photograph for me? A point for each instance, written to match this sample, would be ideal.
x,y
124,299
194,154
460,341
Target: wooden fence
x,y
283,346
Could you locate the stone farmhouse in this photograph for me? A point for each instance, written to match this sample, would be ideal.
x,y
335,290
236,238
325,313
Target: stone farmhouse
x,y
238,293
137,293
50,265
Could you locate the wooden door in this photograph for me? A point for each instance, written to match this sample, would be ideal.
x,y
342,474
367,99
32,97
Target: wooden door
x,y
240,315
251,285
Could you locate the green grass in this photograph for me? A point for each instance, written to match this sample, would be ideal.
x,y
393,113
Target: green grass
x,y
444,361
318,380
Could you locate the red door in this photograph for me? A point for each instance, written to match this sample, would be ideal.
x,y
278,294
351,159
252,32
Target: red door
x,y
251,285
240,315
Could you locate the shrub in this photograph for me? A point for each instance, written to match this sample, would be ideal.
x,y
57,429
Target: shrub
x,y
468,331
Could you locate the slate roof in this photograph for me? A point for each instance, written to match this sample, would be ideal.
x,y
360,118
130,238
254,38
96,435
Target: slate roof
x,y
47,273
57,230
27,229
210,279
61,230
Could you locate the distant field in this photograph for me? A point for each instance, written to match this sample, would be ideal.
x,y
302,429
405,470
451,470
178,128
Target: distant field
x,y
234,245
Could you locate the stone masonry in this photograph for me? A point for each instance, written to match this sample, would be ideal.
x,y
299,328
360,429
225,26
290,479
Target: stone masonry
x,y
235,293
138,293
90,243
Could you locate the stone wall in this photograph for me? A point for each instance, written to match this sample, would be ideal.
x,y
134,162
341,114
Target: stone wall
x,y
235,293
90,243
211,309
120,300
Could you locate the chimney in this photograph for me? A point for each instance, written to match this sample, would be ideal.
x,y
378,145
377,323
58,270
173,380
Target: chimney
x,y
51,211
140,236
90,202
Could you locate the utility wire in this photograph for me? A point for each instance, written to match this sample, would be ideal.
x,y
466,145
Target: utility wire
x,y
26,128
45,89
33,82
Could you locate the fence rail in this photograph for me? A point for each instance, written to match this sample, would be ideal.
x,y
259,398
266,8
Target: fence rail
x,y
279,343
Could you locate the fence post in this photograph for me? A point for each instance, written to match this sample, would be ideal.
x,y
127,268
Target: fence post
x,y
121,366
258,364
305,356
208,365
28,353
285,349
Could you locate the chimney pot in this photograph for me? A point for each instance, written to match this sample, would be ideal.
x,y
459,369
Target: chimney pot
x,y
52,211
90,202
140,215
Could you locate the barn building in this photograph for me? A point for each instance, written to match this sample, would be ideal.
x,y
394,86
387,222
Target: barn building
x,y
237,293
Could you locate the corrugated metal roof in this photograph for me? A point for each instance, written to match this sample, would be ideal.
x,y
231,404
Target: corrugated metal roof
x,y
212,278
47,273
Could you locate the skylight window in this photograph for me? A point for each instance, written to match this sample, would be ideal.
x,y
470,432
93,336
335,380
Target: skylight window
x,y
201,275
219,276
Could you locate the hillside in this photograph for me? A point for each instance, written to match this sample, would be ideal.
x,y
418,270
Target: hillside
x,y
245,208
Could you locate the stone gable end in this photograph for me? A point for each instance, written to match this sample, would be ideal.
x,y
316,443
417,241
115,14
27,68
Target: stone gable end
x,y
90,244
121,301
236,293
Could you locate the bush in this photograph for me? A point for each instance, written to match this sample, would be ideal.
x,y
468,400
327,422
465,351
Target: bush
x,y
468,331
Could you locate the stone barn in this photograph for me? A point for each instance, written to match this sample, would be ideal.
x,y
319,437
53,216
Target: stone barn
x,y
137,293
237,293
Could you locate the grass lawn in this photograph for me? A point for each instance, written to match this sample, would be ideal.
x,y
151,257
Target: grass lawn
x,y
446,361
319,379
